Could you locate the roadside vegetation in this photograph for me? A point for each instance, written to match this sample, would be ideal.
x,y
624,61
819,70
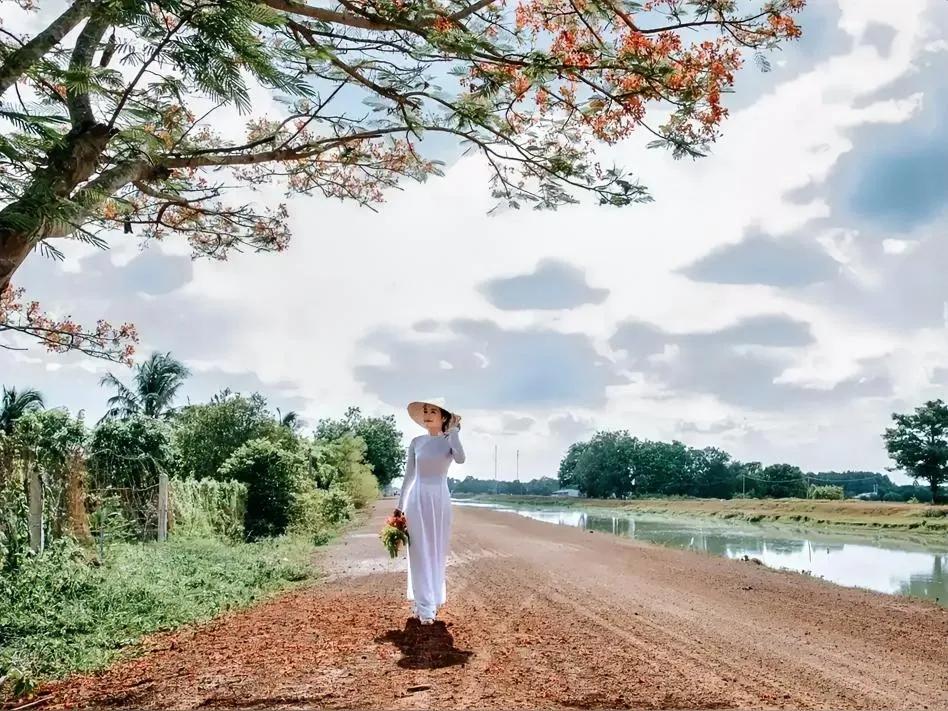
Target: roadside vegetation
x,y
159,516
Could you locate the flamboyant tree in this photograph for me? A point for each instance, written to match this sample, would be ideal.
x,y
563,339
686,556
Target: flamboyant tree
x,y
110,112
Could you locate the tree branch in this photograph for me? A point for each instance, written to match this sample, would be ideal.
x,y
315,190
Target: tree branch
x,y
19,61
154,55
468,11
331,16
80,104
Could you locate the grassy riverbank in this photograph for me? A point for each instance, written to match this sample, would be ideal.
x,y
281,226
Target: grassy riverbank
x,y
852,515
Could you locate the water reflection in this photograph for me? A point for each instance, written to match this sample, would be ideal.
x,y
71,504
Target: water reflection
x,y
902,568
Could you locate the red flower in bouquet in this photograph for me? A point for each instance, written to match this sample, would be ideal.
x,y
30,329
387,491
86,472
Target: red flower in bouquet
x,y
395,534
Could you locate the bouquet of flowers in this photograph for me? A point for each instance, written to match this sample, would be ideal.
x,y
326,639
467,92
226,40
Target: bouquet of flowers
x,y
395,534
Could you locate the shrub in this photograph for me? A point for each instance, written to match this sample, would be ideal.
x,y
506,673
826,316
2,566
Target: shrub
x,y
129,453
208,508
207,435
835,493
336,506
317,511
273,478
340,463
125,458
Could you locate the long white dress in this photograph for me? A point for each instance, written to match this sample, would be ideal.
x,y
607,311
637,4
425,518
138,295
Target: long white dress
x,y
426,502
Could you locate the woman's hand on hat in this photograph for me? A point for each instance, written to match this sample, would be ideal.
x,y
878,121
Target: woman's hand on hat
x,y
455,422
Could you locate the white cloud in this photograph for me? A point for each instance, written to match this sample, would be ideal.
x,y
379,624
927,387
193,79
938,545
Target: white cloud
x,y
424,256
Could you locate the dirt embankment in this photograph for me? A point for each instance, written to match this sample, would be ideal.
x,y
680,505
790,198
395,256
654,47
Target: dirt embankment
x,y
546,616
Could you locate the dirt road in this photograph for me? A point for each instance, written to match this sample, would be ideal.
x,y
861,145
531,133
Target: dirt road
x,y
546,616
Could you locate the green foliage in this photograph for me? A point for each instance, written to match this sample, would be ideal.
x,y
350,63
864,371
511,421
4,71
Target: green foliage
x,y
14,517
129,453
617,465
273,476
567,471
826,492
855,482
124,460
544,486
63,615
208,508
335,506
112,517
664,468
781,481
607,466
155,386
713,473
206,436
48,438
340,463
13,405
918,443
383,441
316,512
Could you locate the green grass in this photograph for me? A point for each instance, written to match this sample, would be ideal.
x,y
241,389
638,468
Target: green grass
x,y
61,613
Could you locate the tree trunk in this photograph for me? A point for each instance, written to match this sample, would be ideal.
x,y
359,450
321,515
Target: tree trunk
x,y
77,518
14,246
34,217
36,509
163,486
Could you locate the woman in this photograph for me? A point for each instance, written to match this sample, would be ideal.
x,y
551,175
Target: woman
x,y
426,503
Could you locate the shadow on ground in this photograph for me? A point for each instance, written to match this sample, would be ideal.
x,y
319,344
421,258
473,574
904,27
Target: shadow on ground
x,y
425,646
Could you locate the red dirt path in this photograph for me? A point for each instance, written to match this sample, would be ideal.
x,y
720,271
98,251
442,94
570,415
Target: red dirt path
x,y
545,616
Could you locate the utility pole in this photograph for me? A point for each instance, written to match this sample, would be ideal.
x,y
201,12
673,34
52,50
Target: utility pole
x,y
495,470
518,465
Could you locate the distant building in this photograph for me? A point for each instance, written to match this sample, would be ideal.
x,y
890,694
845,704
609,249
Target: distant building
x,y
566,492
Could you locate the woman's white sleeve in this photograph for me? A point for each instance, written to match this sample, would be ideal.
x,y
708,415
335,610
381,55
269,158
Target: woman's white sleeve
x,y
409,475
454,437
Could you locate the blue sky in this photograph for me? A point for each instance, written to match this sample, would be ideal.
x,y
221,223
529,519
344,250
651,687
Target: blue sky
x,y
780,298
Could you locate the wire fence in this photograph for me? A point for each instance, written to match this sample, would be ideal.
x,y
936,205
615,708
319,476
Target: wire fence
x,y
92,509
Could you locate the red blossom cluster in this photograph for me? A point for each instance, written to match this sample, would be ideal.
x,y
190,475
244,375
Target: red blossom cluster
x,y
60,336
610,65
358,170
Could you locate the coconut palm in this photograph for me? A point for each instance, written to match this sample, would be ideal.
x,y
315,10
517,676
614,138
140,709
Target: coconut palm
x,y
291,420
14,405
155,386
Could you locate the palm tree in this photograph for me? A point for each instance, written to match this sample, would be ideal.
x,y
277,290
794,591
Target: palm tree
x,y
14,405
291,420
156,384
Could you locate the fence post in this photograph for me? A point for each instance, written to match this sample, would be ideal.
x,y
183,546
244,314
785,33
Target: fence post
x,y
162,506
36,510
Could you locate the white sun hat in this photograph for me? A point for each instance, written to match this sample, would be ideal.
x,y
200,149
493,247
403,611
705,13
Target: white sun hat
x,y
416,409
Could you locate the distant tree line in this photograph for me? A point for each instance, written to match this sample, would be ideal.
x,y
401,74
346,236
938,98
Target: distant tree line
x,y
618,465
544,486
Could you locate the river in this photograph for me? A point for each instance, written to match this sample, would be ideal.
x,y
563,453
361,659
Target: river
x,y
893,566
